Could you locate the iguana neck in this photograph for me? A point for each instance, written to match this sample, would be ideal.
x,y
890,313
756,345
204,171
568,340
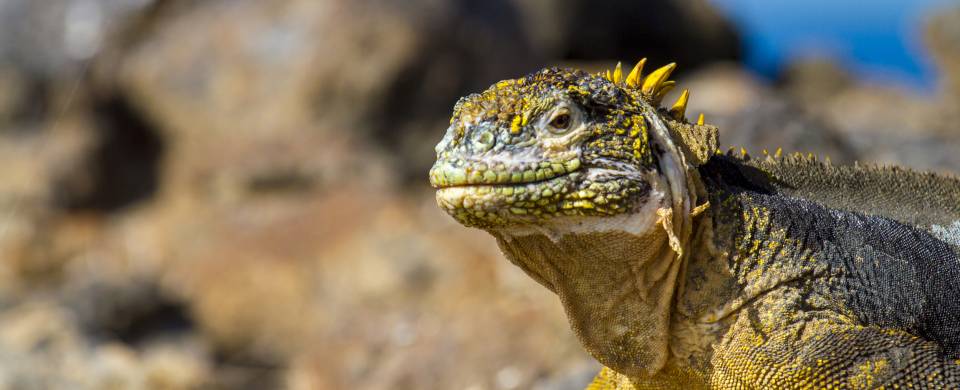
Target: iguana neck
x,y
618,287
631,302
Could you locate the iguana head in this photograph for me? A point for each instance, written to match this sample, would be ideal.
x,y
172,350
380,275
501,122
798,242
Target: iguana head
x,y
589,186
552,144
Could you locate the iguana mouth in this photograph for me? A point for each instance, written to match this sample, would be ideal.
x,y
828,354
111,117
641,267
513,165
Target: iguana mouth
x,y
493,204
445,174
478,196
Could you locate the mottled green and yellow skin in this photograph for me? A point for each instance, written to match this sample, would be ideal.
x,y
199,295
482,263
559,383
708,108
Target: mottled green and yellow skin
x,y
681,267
501,149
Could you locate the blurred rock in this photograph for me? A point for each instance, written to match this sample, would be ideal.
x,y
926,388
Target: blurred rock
x,y
722,89
115,161
812,80
51,39
295,73
826,89
235,183
356,289
27,163
893,126
752,115
446,308
689,32
775,123
943,38
884,124
39,348
46,48
21,99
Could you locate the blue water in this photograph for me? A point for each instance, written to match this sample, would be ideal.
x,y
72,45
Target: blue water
x,y
877,40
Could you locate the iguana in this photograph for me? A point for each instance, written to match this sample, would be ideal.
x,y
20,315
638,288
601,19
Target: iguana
x,y
681,266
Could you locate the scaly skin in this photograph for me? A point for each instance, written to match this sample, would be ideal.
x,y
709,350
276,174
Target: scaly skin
x,y
682,267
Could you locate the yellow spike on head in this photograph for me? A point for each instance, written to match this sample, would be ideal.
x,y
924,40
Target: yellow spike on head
x,y
652,83
633,79
665,88
617,73
679,109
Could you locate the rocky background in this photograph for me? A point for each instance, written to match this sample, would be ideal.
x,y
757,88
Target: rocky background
x,y
232,194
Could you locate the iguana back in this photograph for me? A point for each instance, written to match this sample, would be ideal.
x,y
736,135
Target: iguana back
x,y
922,199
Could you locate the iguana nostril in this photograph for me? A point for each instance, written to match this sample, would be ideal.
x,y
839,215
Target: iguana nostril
x,y
484,141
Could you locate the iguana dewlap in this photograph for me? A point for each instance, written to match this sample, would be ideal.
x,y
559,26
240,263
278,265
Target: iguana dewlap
x,y
683,267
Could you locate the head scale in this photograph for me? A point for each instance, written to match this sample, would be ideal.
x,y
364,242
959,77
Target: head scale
x,y
555,143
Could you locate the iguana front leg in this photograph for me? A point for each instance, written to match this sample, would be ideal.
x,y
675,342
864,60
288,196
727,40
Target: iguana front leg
x,y
826,354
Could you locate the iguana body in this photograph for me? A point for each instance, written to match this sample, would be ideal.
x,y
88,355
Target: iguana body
x,y
682,267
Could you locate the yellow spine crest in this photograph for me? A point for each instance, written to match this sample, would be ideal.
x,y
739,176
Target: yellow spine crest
x,y
679,109
633,79
652,83
617,74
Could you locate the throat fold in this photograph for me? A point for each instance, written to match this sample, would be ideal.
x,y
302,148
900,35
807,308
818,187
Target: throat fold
x,y
616,287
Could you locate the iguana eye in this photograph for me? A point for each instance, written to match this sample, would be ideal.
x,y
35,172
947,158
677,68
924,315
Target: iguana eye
x,y
561,121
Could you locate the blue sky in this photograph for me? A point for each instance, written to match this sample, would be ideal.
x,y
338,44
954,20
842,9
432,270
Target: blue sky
x,y
879,40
